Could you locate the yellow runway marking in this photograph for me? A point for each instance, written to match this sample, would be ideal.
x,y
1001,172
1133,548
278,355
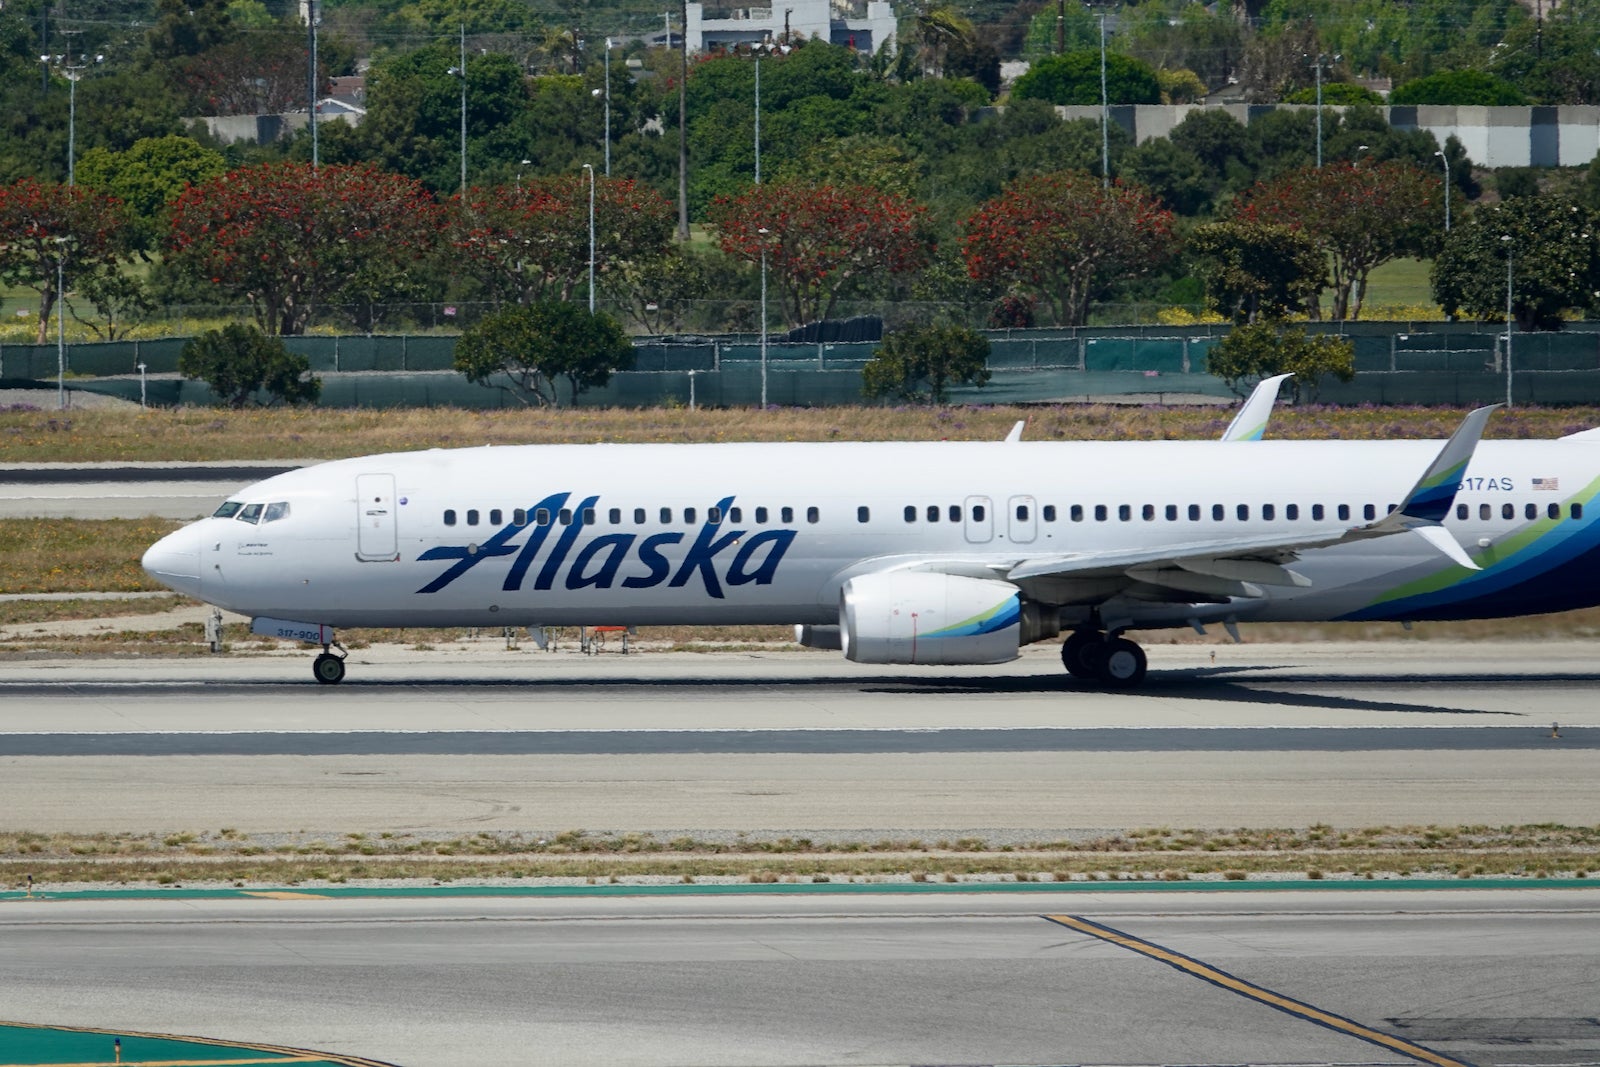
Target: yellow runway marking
x,y
1299,1008
279,1053
280,894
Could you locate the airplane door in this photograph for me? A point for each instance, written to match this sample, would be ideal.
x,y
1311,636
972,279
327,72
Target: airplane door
x,y
1023,519
376,536
980,520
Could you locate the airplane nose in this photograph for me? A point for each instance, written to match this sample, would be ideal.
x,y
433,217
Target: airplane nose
x,y
174,561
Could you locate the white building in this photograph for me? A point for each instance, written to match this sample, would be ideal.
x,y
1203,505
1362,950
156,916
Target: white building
x,y
793,20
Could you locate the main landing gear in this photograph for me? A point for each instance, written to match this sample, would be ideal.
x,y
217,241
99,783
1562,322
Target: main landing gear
x,y
328,668
1110,660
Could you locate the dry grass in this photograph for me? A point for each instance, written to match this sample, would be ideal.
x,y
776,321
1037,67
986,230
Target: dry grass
x,y
1151,854
210,435
28,612
77,555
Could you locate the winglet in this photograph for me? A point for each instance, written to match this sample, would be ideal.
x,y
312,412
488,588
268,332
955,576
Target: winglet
x,y
1431,498
1016,432
1250,424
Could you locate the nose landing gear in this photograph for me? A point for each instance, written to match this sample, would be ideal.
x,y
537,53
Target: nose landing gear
x,y
328,668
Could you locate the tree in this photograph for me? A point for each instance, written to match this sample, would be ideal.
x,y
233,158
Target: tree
x,y
1063,235
1174,174
50,232
238,362
1263,349
286,237
1460,88
819,240
1361,214
1256,270
1334,94
1555,259
924,361
1074,78
149,175
530,241
527,349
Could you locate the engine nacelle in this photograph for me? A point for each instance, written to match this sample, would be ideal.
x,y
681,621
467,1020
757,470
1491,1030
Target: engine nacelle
x,y
921,617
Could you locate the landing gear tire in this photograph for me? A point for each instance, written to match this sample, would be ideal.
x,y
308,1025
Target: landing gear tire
x,y
1122,664
1082,652
328,668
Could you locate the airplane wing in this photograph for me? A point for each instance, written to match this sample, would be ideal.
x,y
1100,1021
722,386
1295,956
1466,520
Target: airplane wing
x,y
1230,567
1250,424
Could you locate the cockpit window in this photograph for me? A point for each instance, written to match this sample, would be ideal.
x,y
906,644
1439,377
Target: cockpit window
x,y
228,510
250,514
278,509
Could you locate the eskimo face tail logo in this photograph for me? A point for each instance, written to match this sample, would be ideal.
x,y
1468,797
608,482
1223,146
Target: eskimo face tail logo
x,y
719,554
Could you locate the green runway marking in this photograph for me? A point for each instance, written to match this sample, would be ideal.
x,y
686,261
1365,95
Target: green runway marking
x,y
37,1045
1262,995
795,888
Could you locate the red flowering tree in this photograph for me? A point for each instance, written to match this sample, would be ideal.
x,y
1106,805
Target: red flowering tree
x,y
284,237
1064,235
530,241
820,239
1360,214
49,231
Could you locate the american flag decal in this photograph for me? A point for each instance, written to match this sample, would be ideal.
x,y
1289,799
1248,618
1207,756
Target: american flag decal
x,y
1547,483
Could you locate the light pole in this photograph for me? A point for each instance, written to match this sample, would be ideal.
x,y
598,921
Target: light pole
x,y
461,72
313,16
1322,57
758,118
61,323
1446,161
1505,238
1105,112
608,107
763,232
590,168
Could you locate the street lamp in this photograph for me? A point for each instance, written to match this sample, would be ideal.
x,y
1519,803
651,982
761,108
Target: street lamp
x,y
1105,112
72,72
758,118
313,16
590,168
461,72
1505,239
608,107
1446,161
763,231
1322,58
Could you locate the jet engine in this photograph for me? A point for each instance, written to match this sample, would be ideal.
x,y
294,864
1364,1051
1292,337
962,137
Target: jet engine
x,y
923,617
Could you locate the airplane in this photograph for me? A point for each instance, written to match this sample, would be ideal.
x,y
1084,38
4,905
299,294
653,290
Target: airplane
x,y
909,553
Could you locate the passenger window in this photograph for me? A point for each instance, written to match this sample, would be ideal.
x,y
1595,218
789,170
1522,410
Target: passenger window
x,y
1485,512
1369,512
1124,512
1317,513
713,515
786,514
863,514
250,514
1291,512
519,517
1218,512
1268,512
1531,511
588,516
1508,511
614,516
496,517
1461,511
1553,511
1172,513
1577,511
1344,512
472,516
1149,512
933,512
1077,513
449,516
1393,508
978,512
639,516
911,513
227,510
761,516
564,516
1244,512
276,510
1194,512
1049,513
955,512
688,515
1100,513
542,517
666,516
735,514
1022,513
813,515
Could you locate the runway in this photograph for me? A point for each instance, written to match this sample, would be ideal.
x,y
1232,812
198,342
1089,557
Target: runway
x,y
802,743
123,491
1473,977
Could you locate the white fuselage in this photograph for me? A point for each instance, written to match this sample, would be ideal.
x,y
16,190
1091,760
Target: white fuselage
x,y
769,533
